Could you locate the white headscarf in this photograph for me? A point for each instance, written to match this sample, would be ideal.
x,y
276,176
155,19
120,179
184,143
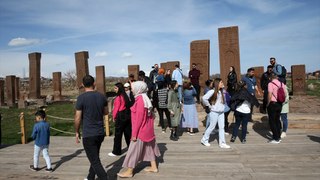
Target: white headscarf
x,y
140,88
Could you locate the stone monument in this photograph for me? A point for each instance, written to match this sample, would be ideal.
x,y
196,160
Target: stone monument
x,y
82,67
134,69
34,75
298,75
10,89
258,71
100,80
200,55
57,89
1,92
229,51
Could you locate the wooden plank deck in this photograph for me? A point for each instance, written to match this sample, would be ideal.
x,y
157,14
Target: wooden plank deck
x,y
296,157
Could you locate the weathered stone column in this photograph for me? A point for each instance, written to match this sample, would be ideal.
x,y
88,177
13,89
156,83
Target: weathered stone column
x,y
34,75
57,89
229,51
200,55
1,92
169,65
17,88
258,71
100,80
10,89
298,73
82,67
134,69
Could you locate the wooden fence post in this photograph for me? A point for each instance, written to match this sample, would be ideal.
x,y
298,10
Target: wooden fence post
x,y
23,129
106,124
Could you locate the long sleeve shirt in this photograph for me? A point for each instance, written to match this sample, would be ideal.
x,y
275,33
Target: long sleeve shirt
x,y
141,121
118,105
218,106
194,75
41,133
177,75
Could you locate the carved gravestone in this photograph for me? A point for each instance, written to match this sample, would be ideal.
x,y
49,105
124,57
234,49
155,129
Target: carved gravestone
x,y
1,92
17,88
134,69
10,89
229,51
81,67
57,89
200,55
34,75
169,65
258,71
100,80
298,73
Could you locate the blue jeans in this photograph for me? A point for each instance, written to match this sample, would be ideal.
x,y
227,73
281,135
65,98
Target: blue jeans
x,y
284,119
214,119
92,147
180,93
45,154
243,119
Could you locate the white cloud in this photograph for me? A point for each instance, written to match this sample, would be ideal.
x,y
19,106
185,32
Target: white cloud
x,y
126,55
23,42
263,6
101,54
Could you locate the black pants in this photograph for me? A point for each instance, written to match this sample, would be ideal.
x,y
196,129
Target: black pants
x,y
265,100
92,147
197,88
167,112
121,127
274,110
226,122
243,119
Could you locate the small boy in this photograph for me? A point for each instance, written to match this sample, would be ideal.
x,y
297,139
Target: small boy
x,y
41,135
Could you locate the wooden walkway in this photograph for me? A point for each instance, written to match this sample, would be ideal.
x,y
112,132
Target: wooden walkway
x,y
296,157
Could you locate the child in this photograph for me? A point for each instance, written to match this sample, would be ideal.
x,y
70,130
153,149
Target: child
x,y
41,135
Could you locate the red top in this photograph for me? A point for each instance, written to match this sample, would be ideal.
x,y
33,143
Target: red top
x,y
142,123
118,105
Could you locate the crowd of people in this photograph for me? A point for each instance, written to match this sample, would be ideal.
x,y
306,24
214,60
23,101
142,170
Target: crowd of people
x,y
168,94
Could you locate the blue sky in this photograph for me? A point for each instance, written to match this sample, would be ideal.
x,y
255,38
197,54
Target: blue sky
x,y
121,32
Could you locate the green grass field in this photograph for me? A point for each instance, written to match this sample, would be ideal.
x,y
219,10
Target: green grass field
x,y
10,122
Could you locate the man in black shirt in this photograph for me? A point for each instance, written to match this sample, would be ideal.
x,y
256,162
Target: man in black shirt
x,y
91,106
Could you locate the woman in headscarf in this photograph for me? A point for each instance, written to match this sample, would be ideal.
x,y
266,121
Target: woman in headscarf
x,y
143,145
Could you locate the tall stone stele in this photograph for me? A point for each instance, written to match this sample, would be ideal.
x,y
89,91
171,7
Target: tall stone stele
x,y
82,67
298,75
229,51
134,69
1,92
57,89
100,80
200,55
34,75
10,90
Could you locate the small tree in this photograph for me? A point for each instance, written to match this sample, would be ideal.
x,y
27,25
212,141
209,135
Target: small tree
x,y
70,78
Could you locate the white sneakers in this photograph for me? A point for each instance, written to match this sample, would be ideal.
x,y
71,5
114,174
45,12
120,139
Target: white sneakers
x,y
112,155
205,143
274,141
283,134
224,146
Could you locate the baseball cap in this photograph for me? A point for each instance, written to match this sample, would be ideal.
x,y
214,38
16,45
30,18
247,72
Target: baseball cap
x,y
126,85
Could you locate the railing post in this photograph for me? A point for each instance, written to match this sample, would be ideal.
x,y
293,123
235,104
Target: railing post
x,y
106,124
23,129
